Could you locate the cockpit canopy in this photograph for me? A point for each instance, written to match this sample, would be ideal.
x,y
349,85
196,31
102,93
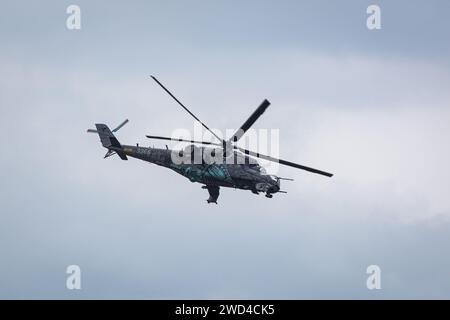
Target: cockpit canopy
x,y
257,167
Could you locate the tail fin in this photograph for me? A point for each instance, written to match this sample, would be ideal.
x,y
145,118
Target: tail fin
x,y
109,141
107,138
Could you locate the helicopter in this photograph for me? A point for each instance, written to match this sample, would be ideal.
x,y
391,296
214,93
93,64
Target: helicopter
x,y
215,165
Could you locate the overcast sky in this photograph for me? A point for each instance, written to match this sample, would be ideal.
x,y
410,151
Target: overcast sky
x,y
373,107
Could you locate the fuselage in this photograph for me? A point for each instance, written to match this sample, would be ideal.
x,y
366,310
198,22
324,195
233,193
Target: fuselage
x,y
248,175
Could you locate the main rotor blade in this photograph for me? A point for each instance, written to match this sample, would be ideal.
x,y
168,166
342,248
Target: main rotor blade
x,y
284,162
185,108
183,140
250,121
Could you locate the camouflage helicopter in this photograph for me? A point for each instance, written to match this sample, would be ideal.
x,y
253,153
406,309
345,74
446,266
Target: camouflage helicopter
x,y
221,164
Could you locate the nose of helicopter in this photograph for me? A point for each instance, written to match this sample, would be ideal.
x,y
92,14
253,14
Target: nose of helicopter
x,y
274,188
275,184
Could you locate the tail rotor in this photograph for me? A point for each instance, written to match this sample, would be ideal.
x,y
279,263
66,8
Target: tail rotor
x,y
108,140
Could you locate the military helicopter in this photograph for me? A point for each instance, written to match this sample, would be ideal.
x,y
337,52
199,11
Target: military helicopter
x,y
221,164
